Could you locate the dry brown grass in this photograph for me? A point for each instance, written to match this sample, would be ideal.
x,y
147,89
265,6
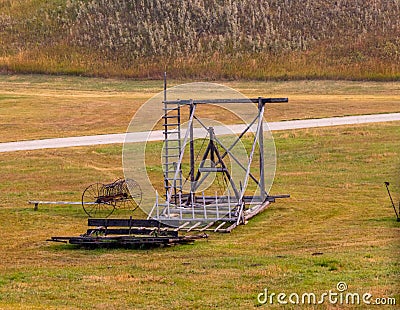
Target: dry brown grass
x,y
37,107
207,39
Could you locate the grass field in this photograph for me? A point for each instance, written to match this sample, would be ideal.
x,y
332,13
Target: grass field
x,y
338,206
40,106
206,39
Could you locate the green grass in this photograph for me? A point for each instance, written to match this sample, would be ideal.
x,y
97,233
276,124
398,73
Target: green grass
x,y
338,207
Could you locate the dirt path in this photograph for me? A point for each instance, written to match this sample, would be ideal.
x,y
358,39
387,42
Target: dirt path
x,y
157,135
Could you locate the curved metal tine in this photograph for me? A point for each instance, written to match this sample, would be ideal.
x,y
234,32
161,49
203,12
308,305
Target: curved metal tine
x,y
106,206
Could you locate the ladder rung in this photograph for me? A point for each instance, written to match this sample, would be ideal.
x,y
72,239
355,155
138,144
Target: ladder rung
x,y
172,102
171,178
173,148
212,169
171,124
171,155
170,109
171,132
170,116
175,145
172,140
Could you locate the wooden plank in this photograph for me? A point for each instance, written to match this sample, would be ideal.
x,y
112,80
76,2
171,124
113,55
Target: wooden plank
x,y
133,231
182,226
221,101
41,202
194,226
248,214
230,228
124,223
103,241
128,241
219,226
208,226
36,203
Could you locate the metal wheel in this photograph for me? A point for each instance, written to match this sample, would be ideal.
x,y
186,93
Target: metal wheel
x,y
95,202
132,195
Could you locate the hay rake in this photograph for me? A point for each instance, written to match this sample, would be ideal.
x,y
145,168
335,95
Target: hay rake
x,y
103,199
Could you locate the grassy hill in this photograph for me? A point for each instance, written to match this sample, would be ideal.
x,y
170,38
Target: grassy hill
x,y
255,39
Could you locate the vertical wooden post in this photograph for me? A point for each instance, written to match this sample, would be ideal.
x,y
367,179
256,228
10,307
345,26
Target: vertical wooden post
x,y
229,204
191,143
216,205
192,205
261,148
157,206
204,206
165,86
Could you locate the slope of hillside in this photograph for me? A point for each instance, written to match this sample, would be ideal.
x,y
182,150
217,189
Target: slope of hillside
x,y
259,39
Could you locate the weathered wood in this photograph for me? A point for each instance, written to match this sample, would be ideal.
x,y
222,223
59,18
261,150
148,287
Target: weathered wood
x,y
207,227
219,226
131,231
222,101
230,228
36,203
182,226
248,214
137,241
194,226
125,223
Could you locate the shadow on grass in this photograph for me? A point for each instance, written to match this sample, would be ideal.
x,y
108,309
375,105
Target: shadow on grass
x,y
391,219
106,247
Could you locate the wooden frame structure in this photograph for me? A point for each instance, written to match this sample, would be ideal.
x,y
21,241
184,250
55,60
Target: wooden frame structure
x,y
195,211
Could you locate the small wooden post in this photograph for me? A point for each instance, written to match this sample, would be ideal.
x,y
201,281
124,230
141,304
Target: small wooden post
x,y
204,206
229,204
216,205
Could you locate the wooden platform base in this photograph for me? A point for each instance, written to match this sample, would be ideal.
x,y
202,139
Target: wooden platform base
x,y
128,233
127,241
132,232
